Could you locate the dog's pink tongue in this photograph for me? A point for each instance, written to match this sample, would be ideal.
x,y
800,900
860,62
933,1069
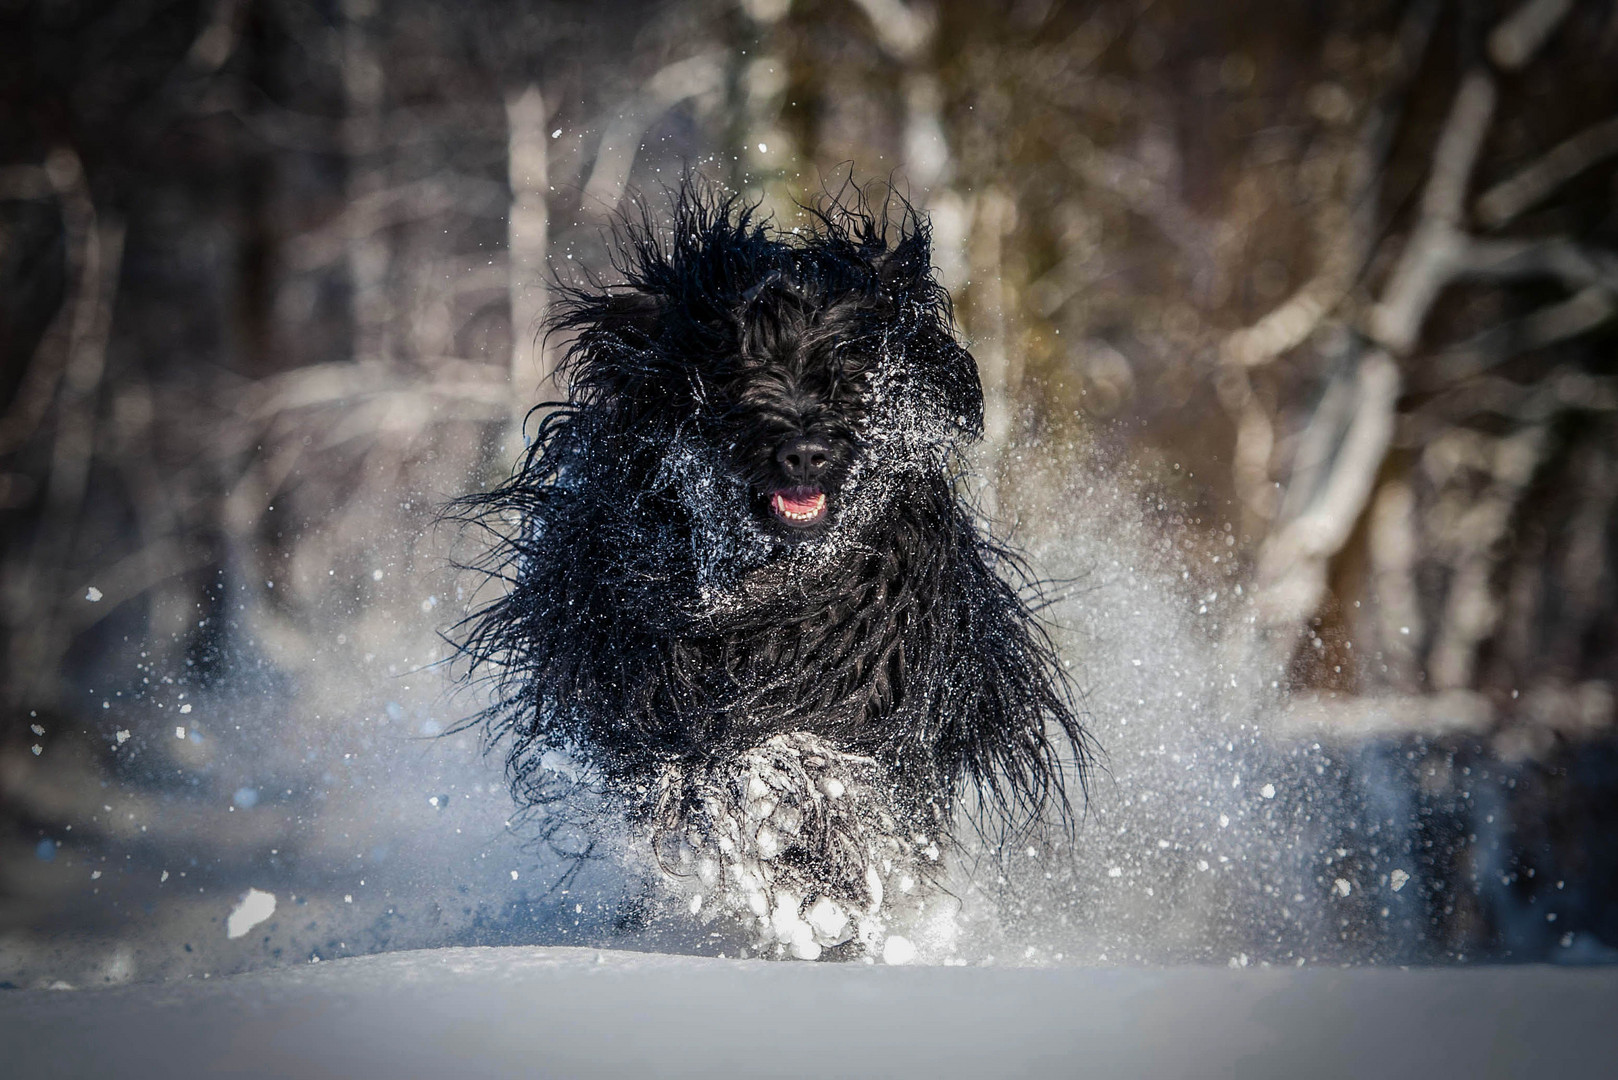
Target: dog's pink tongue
x,y
807,502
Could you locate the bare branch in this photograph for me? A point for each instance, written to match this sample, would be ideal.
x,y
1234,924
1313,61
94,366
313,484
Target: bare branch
x,y
1346,244
1458,146
766,12
129,578
345,382
1573,265
218,38
1287,326
369,213
1503,202
903,30
1561,390
1319,444
62,176
1394,547
1292,566
1580,313
35,596
1516,40
1472,536
1432,253
1344,717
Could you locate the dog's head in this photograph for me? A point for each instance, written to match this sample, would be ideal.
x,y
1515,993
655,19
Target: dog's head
x,y
795,364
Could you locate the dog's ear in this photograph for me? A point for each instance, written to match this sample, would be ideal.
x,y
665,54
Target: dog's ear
x,y
923,306
963,392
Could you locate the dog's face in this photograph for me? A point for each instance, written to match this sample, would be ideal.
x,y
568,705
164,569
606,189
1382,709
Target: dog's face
x,y
792,409
777,374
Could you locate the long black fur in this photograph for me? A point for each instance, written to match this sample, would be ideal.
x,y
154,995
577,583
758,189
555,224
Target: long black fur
x,y
656,616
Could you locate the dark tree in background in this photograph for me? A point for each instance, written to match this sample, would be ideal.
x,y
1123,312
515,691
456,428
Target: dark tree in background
x,y
1333,282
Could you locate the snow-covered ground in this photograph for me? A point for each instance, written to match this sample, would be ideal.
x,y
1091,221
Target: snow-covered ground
x,y
567,1012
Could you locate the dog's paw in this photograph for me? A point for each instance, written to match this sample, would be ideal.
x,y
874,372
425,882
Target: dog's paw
x,y
801,840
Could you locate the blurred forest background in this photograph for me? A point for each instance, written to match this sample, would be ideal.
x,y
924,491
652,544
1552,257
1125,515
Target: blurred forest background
x,y
1330,283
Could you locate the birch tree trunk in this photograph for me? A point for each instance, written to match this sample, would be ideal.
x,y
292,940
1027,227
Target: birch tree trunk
x,y
527,239
367,248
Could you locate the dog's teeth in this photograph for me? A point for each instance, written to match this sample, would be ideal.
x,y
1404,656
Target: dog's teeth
x,y
779,504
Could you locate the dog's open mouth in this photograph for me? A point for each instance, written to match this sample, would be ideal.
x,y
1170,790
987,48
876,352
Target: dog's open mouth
x,y
798,506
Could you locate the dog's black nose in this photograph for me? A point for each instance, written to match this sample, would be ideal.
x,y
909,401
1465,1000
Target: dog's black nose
x,y
804,460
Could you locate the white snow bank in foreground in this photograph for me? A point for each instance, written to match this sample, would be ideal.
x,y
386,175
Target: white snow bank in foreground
x,y
584,1013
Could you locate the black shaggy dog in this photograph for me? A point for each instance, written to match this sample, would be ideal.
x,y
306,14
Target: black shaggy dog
x,y
743,598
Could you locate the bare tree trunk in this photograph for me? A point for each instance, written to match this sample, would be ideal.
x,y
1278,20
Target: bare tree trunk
x,y
528,246
989,298
41,590
765,150
367,248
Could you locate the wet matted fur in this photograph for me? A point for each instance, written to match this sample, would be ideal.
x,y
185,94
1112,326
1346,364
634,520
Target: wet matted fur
x,y
743,597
